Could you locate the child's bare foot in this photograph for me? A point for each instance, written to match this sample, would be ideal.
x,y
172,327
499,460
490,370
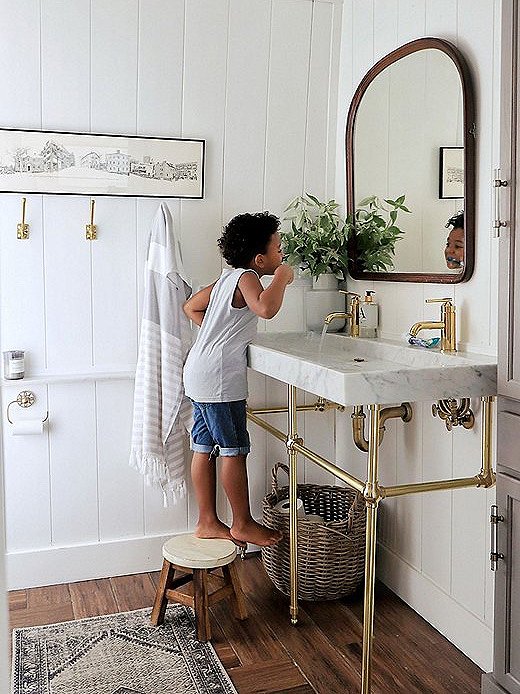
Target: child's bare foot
x,y
256,534
215,530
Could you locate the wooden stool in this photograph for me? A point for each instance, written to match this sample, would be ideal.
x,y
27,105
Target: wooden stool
x,y
195,559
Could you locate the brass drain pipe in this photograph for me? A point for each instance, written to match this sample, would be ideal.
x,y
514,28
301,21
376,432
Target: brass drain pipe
x,y
403,411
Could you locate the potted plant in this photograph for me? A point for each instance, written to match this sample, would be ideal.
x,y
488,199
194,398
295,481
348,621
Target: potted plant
x,y
317,238
374,231
316,242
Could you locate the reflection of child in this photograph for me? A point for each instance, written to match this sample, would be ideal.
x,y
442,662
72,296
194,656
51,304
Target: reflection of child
x,y
454,251
215,373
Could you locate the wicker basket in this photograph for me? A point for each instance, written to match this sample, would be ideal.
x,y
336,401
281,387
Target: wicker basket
x,y
331,556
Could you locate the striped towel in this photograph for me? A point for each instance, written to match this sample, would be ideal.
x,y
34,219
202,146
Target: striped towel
x,y
162,412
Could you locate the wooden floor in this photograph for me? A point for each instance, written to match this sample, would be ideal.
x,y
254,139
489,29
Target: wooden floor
x,y
266,654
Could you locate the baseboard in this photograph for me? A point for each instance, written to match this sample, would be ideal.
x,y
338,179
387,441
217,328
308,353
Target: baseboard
x,y
46,567
490,686
461,627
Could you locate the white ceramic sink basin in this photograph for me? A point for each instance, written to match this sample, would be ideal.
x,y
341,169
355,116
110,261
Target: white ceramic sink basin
x,y
355,371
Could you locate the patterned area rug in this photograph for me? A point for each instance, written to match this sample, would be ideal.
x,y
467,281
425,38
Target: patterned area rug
x,y
117,654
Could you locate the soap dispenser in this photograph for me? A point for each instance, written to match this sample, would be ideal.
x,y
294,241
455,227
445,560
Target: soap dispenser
x,y
368,316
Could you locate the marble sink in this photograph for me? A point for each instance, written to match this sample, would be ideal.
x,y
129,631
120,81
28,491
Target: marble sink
x,y
356,371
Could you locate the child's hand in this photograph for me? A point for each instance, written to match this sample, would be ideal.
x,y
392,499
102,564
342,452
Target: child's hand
x,y
284,273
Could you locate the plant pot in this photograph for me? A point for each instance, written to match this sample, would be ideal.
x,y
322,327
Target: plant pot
x,y
327,281
320,302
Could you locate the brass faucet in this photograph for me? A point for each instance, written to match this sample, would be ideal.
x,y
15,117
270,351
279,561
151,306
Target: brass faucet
x,y
352,316
446,325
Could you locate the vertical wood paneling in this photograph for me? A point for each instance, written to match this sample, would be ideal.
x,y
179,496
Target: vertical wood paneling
x,y
441,19
159,70
21,282
412,19
437,464
205,69
26,468
114,29
470,522
408,510
120,487
288,89
386,27
246,104
67,257
113,285
318,115
20,60
73,467
65,57
363,40
478,296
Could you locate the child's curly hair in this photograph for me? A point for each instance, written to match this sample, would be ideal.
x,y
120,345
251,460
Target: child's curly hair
x,y
457,221
245,236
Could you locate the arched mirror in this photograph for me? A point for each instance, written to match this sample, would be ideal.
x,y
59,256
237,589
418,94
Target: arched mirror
x,y
410,158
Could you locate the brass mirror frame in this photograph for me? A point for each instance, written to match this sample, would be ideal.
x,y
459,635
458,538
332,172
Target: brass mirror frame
x,y
469,162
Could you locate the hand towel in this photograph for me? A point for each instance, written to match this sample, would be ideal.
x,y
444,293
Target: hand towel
x,y
162,412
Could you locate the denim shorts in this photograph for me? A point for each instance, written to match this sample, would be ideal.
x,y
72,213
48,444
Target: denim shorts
x,y
220,428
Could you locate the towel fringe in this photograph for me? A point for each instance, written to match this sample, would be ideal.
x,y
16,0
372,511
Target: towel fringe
x,y
157,474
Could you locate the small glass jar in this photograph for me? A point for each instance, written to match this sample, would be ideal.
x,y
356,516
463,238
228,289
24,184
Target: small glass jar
x,y
14,364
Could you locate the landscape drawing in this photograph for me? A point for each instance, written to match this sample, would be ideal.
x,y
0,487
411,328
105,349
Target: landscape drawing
x,y
69,163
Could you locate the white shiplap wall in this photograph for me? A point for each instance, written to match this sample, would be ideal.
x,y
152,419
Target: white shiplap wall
x,y
434,548
246,75
259,80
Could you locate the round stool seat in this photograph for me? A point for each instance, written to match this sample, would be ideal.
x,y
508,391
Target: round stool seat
x,y
197,553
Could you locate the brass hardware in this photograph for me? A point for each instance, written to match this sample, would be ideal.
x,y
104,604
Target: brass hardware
x,y
91,229
321,405
454,414
292,441
486,476
497,184
22,229
372,496
494,554
352,316
25,398
403,411
373,493
446,325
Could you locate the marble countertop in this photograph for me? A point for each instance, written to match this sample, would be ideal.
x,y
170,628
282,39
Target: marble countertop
x,y
355,371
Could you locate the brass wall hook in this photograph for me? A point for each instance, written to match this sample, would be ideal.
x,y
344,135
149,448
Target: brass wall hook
x,y
22,229
25,398
454,414
91,228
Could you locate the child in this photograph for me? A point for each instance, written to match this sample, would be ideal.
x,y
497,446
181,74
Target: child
x,y
215,373
454,250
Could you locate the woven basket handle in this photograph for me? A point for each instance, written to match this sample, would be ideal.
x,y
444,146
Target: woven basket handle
x,y
274,476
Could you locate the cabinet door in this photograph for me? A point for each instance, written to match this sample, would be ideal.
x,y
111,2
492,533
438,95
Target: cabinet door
x,y
507,586
509,244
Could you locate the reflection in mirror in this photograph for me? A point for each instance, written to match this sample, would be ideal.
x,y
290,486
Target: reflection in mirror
x,y
407,136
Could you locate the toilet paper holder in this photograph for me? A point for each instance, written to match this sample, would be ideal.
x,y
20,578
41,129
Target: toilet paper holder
x,y
25,399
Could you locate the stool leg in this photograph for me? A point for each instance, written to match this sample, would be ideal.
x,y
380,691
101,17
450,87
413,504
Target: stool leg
x,y
200,595
161,601
239,604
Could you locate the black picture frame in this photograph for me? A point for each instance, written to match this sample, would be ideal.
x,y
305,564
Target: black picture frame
x,y
451,173
96,164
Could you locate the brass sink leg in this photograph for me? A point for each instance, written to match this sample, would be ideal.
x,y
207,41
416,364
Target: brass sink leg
x,y
292,439
372,495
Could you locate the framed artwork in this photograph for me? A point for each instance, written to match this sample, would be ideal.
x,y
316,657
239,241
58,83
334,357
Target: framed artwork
x,y
451,172
43,161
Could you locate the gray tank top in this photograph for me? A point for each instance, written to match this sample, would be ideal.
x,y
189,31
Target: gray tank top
x,y
216,367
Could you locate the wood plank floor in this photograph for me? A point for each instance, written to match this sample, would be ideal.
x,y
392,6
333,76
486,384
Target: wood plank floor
x,y
265,654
